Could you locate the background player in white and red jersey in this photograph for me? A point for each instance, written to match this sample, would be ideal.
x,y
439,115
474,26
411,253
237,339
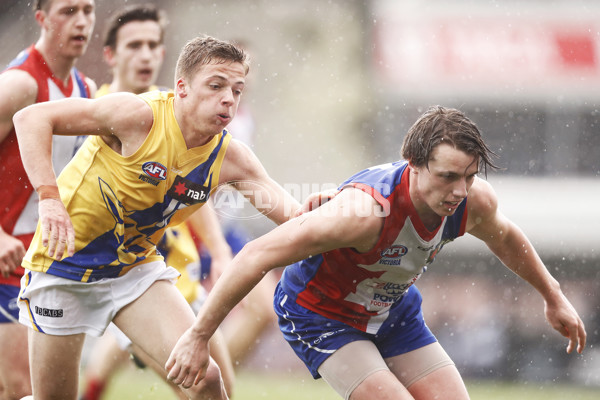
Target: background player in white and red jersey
x,y
42,72
349,308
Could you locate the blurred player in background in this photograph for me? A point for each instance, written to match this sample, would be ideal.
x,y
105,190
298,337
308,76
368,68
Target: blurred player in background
x,y
43,72
134,50
348,307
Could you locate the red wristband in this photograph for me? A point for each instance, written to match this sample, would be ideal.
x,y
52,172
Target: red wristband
x,y
48,192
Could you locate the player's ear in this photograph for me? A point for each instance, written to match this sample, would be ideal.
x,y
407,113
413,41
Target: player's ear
x,y
109,56
181,87
40,17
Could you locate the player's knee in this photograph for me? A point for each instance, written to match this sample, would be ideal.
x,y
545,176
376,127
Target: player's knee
x,y
211,387
17,388
381,385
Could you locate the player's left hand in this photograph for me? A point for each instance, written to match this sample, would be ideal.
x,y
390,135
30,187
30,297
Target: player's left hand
x,y
57,229
188,361
563,317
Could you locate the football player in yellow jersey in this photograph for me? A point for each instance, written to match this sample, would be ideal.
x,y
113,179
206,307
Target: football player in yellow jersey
x,y
134,50
151,161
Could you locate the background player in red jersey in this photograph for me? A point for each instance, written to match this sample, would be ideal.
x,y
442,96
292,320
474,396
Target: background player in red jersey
x,y
44,71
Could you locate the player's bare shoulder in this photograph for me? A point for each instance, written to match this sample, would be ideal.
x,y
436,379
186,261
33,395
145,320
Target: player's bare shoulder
x,y
122,105
121,132
18,79
19,90
482,203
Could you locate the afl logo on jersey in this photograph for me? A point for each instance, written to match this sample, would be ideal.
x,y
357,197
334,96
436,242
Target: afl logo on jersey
x,y
155,170
393,255
394,251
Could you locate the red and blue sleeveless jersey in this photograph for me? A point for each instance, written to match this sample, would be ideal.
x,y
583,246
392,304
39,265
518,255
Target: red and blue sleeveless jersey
x,y
18,201
359,289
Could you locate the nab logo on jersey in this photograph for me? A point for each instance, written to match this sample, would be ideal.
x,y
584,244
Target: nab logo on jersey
x,y
187,191
155,170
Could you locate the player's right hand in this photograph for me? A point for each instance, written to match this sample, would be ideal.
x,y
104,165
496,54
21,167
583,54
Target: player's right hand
x,y
12,252
57,229
563,317
188,361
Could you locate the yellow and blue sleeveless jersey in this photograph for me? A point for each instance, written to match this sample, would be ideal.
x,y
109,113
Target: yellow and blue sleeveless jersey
x,y
121,206
177,245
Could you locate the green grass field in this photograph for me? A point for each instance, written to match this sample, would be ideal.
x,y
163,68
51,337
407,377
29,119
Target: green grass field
x,y
135,384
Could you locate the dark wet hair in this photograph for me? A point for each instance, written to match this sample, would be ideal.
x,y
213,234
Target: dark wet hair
x,y
137,12
445,125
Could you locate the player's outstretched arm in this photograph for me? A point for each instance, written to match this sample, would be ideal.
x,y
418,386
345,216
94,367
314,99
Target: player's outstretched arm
x,y
508,242
351,219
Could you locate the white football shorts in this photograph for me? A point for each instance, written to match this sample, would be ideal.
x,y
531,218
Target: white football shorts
x,y
59,306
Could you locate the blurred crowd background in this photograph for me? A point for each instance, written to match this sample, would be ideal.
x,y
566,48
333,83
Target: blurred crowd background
x,y
334,85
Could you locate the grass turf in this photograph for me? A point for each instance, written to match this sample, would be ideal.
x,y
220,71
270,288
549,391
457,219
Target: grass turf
x,y
134,384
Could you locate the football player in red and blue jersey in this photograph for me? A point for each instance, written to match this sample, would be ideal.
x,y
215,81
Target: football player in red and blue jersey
x,y
347,303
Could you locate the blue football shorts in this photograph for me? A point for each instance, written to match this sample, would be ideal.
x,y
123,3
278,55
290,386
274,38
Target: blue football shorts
x,y
9,308
314,337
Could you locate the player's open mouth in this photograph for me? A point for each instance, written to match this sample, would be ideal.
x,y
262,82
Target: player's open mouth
x,y
79,38
451,205
145,73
